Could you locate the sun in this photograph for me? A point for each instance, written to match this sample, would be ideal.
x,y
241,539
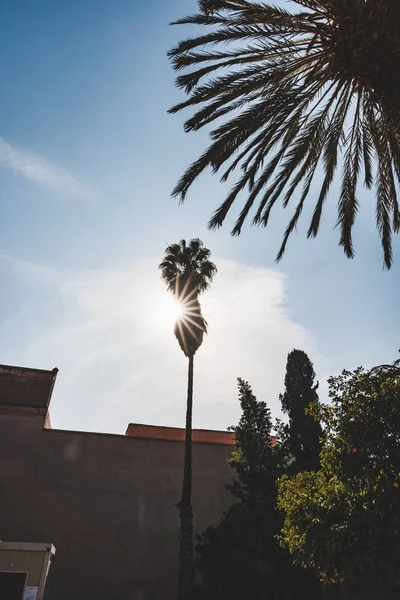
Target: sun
x,y
168,310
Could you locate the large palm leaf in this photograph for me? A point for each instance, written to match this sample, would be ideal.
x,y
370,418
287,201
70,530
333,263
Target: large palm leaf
x,y
299,90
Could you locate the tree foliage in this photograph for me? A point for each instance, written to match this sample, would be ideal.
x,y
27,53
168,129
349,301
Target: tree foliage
x,y
187,271
241,557
256,459
304,432
298,92
344,520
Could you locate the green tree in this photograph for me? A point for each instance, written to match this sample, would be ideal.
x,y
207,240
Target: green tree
x,y
344,520
240,557
298,92
187,272
256,459
304,432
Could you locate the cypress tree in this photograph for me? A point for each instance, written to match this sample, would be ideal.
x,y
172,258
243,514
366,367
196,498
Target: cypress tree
x,y
304,433
240,557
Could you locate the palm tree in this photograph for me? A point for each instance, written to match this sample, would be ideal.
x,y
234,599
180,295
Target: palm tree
x,y
391,370
187,272
296,91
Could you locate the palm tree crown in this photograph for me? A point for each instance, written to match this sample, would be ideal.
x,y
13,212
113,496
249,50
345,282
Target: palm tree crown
x,y
188,271
299,90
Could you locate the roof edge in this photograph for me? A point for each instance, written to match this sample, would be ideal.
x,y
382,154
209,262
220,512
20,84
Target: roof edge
x,y
30,369
162,432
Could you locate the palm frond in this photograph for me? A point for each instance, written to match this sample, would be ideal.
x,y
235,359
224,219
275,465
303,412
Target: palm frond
x,y
287,92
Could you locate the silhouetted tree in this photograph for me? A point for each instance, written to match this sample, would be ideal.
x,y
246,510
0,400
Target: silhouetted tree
x,y
187,272
241,558
304,433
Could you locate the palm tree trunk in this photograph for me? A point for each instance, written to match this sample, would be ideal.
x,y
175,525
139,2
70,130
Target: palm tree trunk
x,y
185,505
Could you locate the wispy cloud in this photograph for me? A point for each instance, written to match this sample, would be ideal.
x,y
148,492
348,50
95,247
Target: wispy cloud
x,y
36,168
118,358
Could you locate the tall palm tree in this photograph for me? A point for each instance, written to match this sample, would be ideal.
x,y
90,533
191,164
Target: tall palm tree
x,y
319,87
187,272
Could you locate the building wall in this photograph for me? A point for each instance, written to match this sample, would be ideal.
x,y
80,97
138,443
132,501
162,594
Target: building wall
x,y
106,502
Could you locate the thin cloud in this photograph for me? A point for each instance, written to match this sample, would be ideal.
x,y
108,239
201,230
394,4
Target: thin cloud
x,y
118,358
37,169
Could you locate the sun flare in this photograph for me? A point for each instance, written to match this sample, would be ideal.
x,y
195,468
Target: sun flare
x,y
168,311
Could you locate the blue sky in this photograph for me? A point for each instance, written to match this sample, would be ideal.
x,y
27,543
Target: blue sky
x,y
88,158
